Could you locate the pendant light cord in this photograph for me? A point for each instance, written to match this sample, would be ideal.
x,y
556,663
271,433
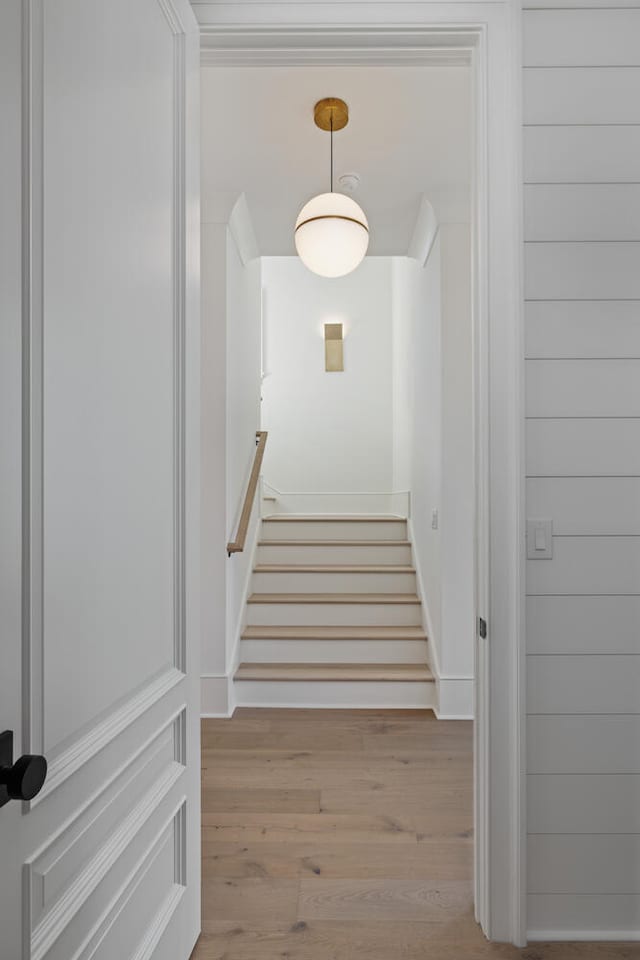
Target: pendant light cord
x,y
331,152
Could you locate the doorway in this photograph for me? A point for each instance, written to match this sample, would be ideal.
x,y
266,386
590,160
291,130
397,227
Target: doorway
x,y
497,457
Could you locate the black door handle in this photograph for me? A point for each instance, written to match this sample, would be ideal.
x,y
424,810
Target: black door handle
x,y
23,779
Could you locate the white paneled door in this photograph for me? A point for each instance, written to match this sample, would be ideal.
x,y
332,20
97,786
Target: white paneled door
x,y
99,494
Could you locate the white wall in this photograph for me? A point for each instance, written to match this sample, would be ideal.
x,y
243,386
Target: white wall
x,y
213,433
230,375
582,255
433,447
417,415
457,514
328,432
243,420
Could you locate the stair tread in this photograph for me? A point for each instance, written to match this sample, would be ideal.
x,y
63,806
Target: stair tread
x,y
334,543
328,518
333,568
333,598
408,672
288,632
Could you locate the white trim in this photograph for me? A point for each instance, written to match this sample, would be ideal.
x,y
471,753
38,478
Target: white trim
x,y
480,305
443,57
447,32
455,698
347,502
517,681
32,376
56,920
479,27
426,615
159,923
217,692
234,655
356,705
214,695
599,936
83,748
171,727
97,934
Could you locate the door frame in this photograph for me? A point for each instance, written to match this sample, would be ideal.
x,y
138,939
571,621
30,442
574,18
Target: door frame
x,y
487,34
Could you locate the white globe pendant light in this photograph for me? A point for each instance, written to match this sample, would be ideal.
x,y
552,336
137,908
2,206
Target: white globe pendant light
x,y
332,233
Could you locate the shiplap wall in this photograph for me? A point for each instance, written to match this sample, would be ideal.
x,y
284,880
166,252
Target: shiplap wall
x,y
582,287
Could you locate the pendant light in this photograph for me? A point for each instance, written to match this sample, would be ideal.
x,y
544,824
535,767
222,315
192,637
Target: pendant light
x,y
332,233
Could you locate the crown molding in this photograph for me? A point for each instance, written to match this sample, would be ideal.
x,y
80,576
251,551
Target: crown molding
x,y
224,45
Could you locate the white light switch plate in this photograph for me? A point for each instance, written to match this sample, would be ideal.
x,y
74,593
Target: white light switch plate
x,y
539,539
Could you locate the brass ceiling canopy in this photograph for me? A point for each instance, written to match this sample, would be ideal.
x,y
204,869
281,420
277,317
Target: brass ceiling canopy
x,y
328,110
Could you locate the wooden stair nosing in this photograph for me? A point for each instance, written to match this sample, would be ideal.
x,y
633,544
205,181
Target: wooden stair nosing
x,y
333,568
400,598
334,543
328,632
332,518
358,672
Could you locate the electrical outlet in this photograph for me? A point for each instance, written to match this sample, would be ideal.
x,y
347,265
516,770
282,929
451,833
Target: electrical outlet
x,y
434,519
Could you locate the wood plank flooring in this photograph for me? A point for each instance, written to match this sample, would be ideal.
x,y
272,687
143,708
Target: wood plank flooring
x,y
345,835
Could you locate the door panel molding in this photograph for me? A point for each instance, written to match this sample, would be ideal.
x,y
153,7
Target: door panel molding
x,y
65,763
74,897
56,866
169,838
68,757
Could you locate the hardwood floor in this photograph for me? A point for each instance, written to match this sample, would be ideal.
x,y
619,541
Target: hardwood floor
x,y
345,835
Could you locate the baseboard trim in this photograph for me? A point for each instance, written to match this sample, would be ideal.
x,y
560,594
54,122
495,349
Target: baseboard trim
x,y
455,695
233,661
584,936
455,698
395,503
214,696
255,705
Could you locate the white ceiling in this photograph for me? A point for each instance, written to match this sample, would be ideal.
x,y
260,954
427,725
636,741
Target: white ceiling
x,y
408,135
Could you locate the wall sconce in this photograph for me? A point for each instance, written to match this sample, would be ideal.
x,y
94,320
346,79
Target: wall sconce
x,y
333,356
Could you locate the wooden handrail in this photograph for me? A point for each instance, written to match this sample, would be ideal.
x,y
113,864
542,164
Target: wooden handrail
x,y
237,545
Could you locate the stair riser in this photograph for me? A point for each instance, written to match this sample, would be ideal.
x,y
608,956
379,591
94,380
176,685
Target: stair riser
x,y
333,651
334,530
382,695
335,614
291,582
345,553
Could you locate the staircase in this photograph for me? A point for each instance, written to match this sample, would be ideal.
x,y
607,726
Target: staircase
x,y
334,619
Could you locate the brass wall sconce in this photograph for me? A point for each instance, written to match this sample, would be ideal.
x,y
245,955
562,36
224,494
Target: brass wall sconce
x,y
333,354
